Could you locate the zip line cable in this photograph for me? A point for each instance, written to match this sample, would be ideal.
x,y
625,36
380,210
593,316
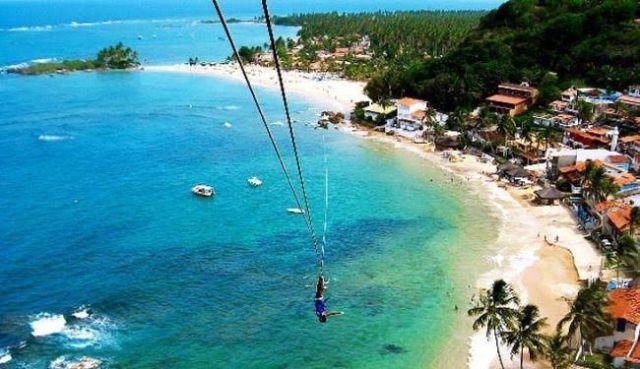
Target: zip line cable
x,y
276,61
306,217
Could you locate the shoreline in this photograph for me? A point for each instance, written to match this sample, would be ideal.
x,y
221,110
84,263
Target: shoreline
x,y
324,88
542,273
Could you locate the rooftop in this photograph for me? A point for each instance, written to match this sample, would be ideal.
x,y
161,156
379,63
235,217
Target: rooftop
x,y
504,99
630,100
378,109
622,349
619,217
512,86
408,101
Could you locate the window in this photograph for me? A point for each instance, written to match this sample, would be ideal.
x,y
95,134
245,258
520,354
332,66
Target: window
x,y
621,325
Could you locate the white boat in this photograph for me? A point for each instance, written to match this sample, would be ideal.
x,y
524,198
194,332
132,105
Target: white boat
x,y
254,181
295,211
203,190
228,125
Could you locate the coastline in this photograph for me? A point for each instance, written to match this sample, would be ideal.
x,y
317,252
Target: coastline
x,y
340,94
542,273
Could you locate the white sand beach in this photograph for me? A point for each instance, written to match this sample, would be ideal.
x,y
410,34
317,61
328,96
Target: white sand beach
x,y
335,93
543,274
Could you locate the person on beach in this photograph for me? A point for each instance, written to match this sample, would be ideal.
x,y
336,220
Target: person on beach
x,y
321,311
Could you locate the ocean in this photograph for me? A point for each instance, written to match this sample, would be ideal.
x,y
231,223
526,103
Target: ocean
x,y
97,215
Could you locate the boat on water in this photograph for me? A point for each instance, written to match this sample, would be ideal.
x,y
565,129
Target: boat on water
x,y
203,190
254,181
295,211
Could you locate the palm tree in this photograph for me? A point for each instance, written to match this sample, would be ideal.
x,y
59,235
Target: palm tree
x,y
495,311
586,111
586,317
526,333
629,260
506,126
635,218
558,352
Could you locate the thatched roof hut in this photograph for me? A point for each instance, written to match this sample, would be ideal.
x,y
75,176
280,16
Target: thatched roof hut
x,y
549,195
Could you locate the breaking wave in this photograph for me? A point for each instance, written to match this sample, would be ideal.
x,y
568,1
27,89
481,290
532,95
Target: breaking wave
x,y
50,138
45,324
77,24
31,29
5,356
85,362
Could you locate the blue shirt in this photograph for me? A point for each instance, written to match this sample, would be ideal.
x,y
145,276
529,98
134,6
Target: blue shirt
x,y
319,302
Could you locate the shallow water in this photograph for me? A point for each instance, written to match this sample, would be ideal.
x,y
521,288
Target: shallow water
x,y
97,213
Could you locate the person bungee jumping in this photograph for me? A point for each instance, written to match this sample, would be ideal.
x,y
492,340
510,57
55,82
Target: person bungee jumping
x,y
321,311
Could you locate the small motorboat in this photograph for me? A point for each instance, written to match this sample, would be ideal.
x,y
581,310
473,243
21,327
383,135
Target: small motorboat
x,y
295,211
254,181
203,190
228,125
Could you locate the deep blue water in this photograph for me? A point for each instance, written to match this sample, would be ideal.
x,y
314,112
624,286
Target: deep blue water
x,y
95,211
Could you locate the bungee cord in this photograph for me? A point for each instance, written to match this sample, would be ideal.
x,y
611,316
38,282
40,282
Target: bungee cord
x,y
319,249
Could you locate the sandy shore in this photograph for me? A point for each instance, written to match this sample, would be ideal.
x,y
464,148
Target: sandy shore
x,y
542,273
335,93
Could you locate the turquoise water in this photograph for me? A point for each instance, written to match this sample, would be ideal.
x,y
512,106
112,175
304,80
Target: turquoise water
x,y
96,213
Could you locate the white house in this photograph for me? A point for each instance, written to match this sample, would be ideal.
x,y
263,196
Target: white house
x,y
634,91
411,112
622,344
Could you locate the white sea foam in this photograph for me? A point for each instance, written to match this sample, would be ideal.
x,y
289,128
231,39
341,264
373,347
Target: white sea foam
x,y
43,60
45,324
31,28
50,138
231,107
5,356
78,24
81,313
92,331
277,123
63,362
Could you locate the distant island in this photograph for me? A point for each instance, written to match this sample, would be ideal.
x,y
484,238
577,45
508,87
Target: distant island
x,y
109,58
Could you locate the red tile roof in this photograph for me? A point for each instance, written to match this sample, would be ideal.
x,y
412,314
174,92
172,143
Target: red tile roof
x,y
617,159
628,139
620,218
504,99
630,100
625,304
622,349
408,101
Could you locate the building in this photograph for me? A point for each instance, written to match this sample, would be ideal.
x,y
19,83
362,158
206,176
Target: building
x,y
559,106
411,113
632,102
634,91
512,99
373,111
598,97
622,344
557,159
569,95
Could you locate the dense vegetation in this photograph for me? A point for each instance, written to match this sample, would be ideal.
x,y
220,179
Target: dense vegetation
x,y
417,33
547,42
550,43
112,57
394,38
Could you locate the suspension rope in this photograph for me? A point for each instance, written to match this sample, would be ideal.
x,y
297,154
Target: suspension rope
x,y
326,196
306,217
276,61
